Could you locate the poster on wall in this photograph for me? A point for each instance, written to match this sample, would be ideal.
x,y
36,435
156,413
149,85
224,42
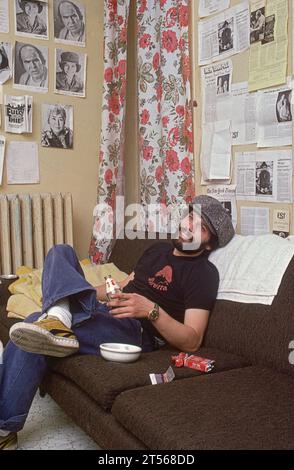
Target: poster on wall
x,y
70,73
216,83
4,16
5,62
264,176
57,126
69,22
268,58
224,35
210,7
274,117
18,114
281,223
31,19
31,67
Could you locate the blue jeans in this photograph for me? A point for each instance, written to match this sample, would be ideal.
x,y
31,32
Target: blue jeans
x,y
21,373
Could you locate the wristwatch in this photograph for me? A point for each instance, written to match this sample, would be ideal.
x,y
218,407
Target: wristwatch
x,y
153,314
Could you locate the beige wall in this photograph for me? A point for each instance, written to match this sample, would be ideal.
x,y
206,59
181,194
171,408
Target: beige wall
x,y
240,74
76,170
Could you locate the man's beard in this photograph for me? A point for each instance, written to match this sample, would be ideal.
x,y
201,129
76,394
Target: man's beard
x,y
188,247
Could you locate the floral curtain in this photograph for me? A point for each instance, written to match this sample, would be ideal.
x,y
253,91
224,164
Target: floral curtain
x,y
165,113
111,158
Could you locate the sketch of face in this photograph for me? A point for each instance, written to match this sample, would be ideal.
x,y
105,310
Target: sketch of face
x,y
69,69
57,123
32,63
71,19
31,9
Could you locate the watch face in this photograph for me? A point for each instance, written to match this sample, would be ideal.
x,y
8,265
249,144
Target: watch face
x,y
154,314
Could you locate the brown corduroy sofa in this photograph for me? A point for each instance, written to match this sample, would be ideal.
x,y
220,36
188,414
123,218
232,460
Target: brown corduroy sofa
x,y
246,402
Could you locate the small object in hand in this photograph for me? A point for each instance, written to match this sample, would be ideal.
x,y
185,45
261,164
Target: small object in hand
x,y
112,287
167,377
193,362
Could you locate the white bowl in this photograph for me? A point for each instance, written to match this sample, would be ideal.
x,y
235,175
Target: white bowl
x,y
118,352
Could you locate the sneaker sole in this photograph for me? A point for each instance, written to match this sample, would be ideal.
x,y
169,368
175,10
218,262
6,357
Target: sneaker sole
x,y
11,445
33,339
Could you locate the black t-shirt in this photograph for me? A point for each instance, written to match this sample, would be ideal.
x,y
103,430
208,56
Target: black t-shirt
x,y
175,283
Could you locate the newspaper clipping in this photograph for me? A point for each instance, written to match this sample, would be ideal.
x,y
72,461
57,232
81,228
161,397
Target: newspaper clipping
x,y
274,117
5,62
281,223
226,194
4,16
18,114
22,163
210,7
216,91
216,151
264,176
244,117
255,221
224,35
269,44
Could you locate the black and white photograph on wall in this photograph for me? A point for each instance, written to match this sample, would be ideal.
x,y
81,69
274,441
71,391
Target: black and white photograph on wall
x,y
227,205
5,62
283,106
69,22
31,67
226,35
257,25
223,84
31,19
70,73
57,126
264,178
269,33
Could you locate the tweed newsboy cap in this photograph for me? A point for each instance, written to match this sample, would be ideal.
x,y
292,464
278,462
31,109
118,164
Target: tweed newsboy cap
x,y
216,218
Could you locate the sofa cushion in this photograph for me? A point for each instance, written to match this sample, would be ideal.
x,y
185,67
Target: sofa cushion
x,y
259,332
249,408
103,381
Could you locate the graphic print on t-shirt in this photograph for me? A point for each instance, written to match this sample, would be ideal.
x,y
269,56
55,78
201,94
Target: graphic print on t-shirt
x,y
162,279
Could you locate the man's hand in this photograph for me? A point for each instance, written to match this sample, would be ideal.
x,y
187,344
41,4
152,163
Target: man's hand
x,y
129,305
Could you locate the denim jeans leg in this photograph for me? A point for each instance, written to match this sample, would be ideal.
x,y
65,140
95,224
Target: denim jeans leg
x,y
20,375
64,277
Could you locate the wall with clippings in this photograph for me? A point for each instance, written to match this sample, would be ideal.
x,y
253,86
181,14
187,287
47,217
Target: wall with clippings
x,y
66,170
240,74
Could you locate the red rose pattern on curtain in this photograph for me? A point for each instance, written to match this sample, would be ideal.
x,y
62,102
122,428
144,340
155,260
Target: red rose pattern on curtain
x,y
165,113
111,158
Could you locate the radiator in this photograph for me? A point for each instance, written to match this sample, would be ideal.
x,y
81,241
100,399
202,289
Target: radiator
x,y
30,224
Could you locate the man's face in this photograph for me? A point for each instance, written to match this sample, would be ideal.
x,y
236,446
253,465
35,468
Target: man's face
x,y
69,68
56,123
70,18
194,236
32,62
31,8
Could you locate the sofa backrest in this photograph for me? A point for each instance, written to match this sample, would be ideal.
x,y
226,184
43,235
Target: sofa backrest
x,y
261,333
258,332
